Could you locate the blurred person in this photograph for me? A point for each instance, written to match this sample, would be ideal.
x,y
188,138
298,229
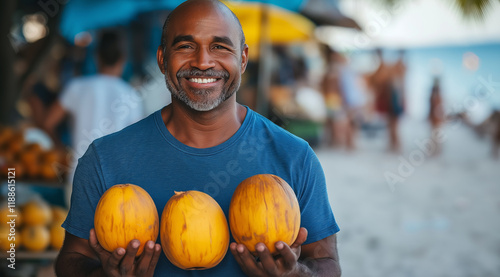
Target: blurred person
x,y
201,134
283,74
398,90
388,83
354,100
309,100
337,125
96,105
436,111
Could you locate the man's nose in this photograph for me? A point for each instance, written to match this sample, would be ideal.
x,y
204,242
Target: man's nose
x,y
203,59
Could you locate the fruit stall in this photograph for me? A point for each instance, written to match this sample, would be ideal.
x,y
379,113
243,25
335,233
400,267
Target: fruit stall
x,y
32,205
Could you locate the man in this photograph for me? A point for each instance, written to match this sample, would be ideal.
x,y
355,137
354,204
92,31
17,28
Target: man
x,y
202,141
388,84
99,104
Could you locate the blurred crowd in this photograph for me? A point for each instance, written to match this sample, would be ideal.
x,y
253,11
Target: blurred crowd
x,y
329,102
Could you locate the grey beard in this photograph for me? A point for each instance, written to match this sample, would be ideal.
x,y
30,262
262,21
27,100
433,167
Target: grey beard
x,y
204,105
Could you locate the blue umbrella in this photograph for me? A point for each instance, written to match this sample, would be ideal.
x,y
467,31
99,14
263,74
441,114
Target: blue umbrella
x,y
84,15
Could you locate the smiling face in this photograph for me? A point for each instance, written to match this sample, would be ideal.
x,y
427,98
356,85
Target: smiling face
x,y
202,57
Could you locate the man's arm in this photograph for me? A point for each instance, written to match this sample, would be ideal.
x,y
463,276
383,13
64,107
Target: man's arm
x,y
76,258
81,257
55,115
321,257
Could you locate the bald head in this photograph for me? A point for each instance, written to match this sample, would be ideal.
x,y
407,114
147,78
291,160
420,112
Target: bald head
x,y
186,8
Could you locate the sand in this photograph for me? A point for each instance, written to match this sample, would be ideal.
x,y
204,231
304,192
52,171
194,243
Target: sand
x,y
436,216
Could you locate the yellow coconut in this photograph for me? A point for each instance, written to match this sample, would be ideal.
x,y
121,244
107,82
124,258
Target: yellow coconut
x,y
194,231
6,215
5,234
57,234
125,212
264,209
37,212
35,238
58,215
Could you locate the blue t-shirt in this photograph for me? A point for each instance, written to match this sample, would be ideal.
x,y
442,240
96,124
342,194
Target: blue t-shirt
x,y
147,155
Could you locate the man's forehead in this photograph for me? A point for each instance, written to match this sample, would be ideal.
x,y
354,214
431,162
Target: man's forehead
x,y
203,22
203,10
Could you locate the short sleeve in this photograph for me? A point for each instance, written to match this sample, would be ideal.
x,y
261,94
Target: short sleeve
x,y
88,186
316,213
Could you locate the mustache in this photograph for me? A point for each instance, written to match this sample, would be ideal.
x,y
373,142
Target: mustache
x,y
193,72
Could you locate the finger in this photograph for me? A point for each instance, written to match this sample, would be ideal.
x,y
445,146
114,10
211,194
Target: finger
x,y
127,263
301,238
94,244
268,263
114,260
145,259
288,256
237,257
248,260
154,259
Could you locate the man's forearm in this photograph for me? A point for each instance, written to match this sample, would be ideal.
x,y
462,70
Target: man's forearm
x,y
76,264
319,268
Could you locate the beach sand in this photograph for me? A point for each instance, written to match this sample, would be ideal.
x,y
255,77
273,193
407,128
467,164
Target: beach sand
x,y
436,216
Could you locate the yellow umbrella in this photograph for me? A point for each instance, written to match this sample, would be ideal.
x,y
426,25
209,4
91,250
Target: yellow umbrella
x,y
280,26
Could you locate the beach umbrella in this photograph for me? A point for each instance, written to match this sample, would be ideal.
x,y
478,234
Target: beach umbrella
x,y
326,13
283,26
263,25
270,24
84,15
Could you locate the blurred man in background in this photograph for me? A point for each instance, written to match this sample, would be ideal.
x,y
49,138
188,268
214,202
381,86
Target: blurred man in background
x,y
436,111
99,104
388,83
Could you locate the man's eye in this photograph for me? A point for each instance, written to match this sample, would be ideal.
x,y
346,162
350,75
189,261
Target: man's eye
x,y
219,47
184,46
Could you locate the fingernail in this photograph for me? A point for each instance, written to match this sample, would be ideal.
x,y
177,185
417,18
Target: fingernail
x,y
259,247
120,251
151,244
279,245
240,249
135,244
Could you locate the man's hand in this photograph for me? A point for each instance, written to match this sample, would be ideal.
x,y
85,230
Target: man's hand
x,y
123,262
285,264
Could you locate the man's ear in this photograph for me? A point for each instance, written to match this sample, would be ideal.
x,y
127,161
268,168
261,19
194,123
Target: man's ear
x,y
244,58
159,59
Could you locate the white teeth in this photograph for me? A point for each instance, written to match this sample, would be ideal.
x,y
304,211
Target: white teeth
x,y
202,80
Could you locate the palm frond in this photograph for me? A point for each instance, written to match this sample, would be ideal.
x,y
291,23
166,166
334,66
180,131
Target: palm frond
x,y
470,9
475,9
